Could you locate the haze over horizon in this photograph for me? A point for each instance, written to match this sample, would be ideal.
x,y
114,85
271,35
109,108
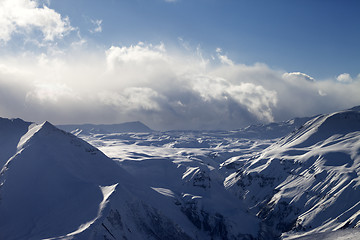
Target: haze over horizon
x,y
177,64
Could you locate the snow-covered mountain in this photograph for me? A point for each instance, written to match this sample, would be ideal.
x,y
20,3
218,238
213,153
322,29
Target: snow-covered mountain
x,y
57,186
271,130
284,182
242,184
308,181
53,184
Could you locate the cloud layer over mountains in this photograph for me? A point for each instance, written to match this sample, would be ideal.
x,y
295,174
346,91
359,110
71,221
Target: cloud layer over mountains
x,y
166,89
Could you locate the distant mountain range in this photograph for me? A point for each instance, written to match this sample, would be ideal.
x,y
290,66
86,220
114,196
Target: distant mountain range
x,y
106,128
262,131
298,178
271,130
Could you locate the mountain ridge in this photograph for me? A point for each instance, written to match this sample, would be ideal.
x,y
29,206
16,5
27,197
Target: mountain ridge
x,y
135,126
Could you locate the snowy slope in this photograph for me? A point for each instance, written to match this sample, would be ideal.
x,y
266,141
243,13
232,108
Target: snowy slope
x,y
169,163
348,234
308,181
11,130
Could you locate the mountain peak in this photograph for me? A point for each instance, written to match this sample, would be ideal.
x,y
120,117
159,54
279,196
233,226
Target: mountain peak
x,y
48,127
35,129
46,123
51,175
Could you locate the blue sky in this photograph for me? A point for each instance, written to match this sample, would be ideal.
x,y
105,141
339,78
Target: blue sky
x,y
184,64
317,37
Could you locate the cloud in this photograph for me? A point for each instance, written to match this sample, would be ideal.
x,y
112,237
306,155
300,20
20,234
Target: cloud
x,y
166,89
97,26
255,98
24,17
344,78
137,55
298,76
132,99
48,92
223,58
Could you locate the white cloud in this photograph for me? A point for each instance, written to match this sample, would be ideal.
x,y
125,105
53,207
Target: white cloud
x,y
344,78
25,16
132,99
97,26
224,59
138,54
298,76
164,89
49,92
255,98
